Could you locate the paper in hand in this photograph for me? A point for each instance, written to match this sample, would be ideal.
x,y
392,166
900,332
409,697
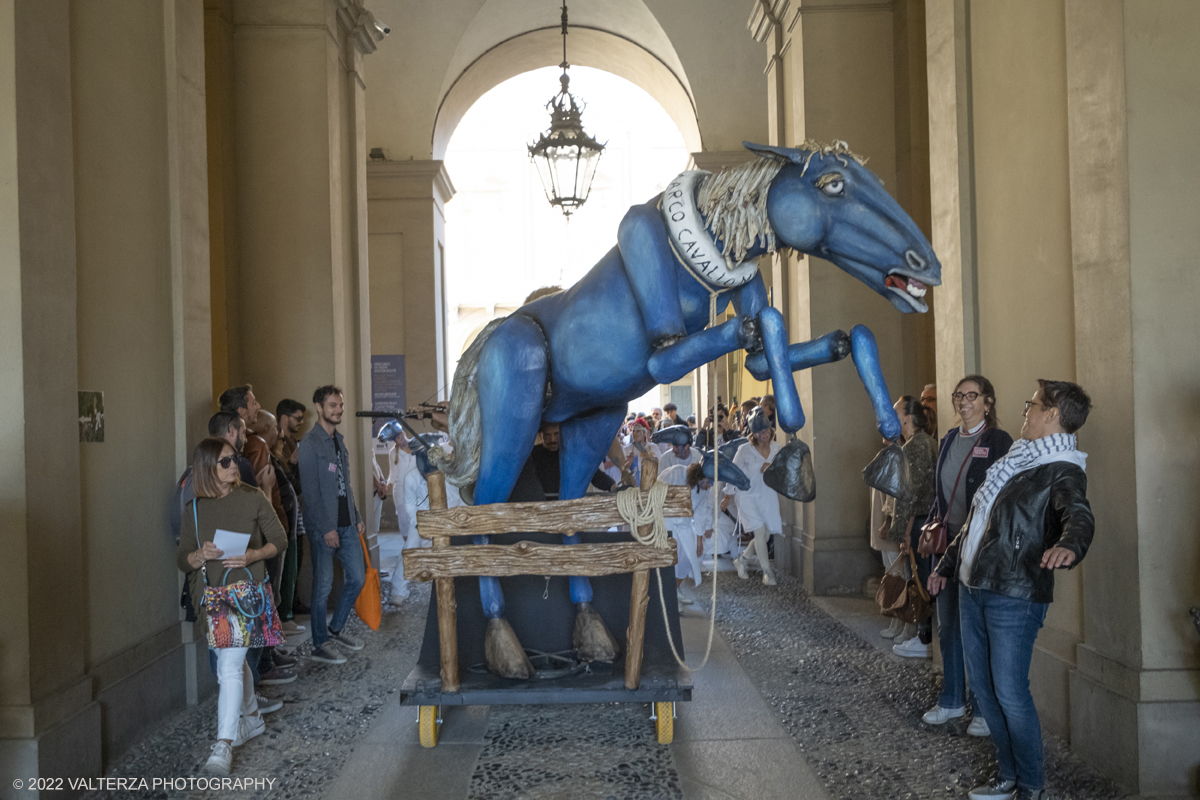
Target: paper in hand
x,y
230,543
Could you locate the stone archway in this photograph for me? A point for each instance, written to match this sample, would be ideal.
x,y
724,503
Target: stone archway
x,y
508,37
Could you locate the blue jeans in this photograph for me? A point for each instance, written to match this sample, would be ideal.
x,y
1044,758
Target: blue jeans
x,y
998,633
954,675
354,571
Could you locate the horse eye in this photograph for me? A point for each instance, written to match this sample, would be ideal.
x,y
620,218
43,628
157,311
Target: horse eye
x,y
834,188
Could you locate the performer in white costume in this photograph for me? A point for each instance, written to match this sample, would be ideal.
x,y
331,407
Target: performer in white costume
x,y
416,498
757,507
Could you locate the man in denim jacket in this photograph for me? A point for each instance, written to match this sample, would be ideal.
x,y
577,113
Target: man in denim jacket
x,y
333,524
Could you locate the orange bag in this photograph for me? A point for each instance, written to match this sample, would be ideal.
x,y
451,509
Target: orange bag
x,y
369,605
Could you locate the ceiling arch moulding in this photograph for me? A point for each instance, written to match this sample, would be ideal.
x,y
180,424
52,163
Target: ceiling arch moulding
x,y
500,20
586,46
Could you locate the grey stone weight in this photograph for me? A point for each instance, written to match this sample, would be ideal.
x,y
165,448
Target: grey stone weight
x,y
888,472
791,472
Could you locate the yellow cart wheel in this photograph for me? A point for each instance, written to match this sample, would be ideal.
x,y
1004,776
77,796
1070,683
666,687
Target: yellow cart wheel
x,y
664,723
429,724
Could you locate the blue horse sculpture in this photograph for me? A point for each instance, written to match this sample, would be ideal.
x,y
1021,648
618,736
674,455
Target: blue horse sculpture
x,y
641,316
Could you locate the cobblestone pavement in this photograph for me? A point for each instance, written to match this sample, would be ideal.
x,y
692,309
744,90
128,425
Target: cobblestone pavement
x,y
307,741
580,752
856,712
853,711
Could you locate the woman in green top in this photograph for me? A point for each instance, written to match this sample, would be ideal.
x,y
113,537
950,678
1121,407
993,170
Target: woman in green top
x,y
921,451
223,502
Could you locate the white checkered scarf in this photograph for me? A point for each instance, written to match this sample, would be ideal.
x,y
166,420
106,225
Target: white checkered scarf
x,y
1023,455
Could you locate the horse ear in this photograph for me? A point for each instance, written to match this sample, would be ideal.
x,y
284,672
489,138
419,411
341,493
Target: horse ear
x,y
779,153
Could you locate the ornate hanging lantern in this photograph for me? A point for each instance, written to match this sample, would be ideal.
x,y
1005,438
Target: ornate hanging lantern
x,y
565,156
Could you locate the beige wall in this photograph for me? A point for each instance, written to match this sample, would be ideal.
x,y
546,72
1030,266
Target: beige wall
x,y
291,259
1163,86
123,241
1060,139
406,221
869,98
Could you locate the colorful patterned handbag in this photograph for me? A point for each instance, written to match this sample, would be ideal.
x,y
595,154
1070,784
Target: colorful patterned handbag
x,y
240,614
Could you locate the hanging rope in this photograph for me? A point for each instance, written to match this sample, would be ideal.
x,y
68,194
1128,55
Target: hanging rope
x,y
638,514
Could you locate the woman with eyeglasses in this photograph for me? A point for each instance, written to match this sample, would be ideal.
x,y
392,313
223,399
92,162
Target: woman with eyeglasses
x,y
1030,517
966,453
223,502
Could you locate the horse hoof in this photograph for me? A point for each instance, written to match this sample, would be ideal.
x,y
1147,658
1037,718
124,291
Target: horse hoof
x,y
592,640
504,653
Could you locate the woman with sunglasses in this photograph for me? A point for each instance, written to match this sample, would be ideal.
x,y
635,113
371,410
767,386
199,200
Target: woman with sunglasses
x,y
1030,517
224,502
966,452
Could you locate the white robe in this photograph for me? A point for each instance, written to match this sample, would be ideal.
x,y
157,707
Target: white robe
x,y
758,505
682,530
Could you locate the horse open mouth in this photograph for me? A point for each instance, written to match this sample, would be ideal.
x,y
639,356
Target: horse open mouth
x,y
911,289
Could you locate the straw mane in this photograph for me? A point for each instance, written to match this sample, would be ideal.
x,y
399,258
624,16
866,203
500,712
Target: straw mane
x,y
734,200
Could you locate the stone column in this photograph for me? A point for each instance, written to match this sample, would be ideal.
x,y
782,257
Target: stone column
x,y
49,722
1133,128
406,211
952,196
818,90
298,258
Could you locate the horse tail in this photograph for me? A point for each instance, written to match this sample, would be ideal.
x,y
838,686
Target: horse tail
x,y
466,431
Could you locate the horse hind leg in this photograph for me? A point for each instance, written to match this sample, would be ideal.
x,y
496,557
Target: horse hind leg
x,y
584,442
512,382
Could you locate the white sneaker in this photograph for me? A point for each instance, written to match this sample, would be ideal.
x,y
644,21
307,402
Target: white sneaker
x,y
940,716
248,728
685,596
912,648
995,790
978,727
893,629
768,579
741,568
220,760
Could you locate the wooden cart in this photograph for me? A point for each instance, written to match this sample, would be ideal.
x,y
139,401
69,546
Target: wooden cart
x,y
658,681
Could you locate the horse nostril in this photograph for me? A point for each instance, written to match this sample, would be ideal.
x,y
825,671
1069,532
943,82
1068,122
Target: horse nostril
x,y
914,260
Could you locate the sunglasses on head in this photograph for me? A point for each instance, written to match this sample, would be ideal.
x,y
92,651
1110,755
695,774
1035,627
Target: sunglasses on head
x,y
226,462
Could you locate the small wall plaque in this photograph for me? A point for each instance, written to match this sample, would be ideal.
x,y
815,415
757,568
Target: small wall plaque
x,y
91,416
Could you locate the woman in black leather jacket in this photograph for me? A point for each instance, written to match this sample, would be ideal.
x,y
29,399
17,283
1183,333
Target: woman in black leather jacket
x,y
1030,517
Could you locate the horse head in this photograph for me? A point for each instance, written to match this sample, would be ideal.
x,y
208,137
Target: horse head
x,y
825,203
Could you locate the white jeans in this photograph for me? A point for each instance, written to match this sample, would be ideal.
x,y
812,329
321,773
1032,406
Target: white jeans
x,y
761,537
687,563
236,695
411,541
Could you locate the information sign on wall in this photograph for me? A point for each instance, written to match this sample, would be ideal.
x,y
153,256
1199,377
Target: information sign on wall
x,y
387,387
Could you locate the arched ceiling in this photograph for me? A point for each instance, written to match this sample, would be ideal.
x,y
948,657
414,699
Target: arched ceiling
x,y
586,47
500,20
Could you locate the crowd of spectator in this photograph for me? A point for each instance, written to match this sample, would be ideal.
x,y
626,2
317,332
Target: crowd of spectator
x,y
1012,512
257,474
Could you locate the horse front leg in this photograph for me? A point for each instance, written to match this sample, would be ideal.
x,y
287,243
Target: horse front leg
x,y
671,363
860,343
